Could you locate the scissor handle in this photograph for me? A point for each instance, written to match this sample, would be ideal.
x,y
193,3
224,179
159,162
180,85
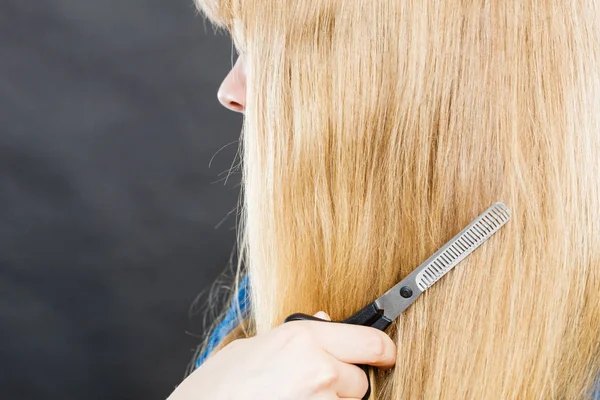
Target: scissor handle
x,y
371,315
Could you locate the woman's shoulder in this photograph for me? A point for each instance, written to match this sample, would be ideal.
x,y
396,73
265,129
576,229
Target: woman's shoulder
x,y
240,304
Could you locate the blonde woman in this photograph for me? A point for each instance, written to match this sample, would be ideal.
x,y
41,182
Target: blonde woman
x,y
373,132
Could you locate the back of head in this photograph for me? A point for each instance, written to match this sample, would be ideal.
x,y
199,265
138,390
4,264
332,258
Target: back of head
x,y
376,130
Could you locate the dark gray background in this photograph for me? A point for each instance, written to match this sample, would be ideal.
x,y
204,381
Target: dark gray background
x,y
111,219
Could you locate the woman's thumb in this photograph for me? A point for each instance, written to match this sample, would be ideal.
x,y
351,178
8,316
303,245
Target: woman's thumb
x,y
323,315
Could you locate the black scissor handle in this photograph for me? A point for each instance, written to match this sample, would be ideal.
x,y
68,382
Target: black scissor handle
x,y
371,315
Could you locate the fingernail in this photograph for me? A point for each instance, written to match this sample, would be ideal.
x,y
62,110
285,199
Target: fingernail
x,y
323,315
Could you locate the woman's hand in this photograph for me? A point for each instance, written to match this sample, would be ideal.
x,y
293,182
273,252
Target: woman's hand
x,y
307,360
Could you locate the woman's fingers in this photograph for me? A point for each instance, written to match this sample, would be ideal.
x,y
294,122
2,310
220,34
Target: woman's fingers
x,y
310,359
352,382
323,315
357,344
354,344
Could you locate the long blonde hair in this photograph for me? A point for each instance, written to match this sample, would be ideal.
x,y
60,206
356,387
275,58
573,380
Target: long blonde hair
x,y
375,130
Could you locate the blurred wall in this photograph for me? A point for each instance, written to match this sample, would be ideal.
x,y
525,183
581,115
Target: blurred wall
x,y
111,219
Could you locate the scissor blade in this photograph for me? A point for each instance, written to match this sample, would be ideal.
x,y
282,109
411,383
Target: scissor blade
x,y
402,295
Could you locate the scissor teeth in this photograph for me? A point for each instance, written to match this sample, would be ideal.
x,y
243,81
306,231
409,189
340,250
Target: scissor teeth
x,y
463,244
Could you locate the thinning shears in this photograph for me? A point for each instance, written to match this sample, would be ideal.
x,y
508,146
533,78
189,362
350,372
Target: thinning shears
x,y
380,313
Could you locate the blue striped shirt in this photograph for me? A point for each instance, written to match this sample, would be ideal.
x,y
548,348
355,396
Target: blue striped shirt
x,y
230,320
